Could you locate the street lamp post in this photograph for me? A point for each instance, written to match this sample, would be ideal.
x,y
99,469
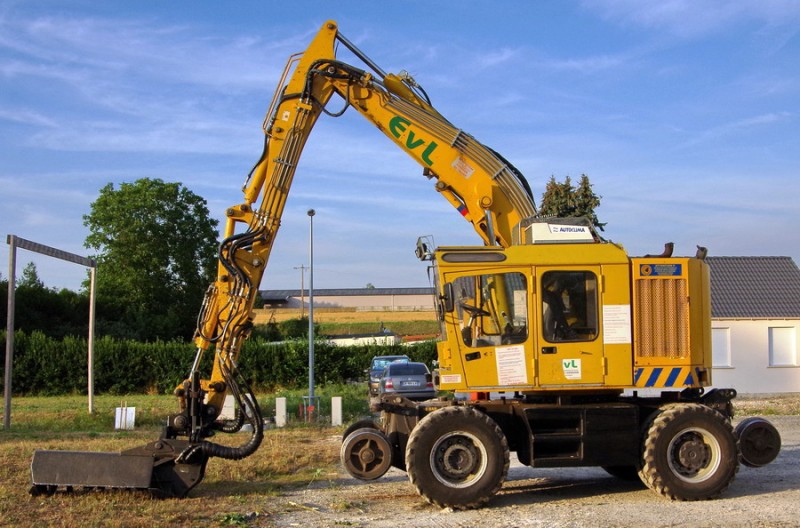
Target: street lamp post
x,y
311,399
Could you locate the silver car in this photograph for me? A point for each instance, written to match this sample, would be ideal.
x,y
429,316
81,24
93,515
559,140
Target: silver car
x,y
376,371
408,379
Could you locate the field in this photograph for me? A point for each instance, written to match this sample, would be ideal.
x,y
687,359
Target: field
x,y
290,457
294,479
334,321
344,316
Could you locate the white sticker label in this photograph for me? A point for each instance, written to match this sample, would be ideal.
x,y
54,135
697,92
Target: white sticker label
x,y
617,324
464,168
448,379
511,365
572,368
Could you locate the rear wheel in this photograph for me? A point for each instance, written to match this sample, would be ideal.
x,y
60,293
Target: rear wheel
x,y
689,453
457,457
759,441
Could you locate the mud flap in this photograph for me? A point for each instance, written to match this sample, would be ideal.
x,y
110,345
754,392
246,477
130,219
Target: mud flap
x,y
153,467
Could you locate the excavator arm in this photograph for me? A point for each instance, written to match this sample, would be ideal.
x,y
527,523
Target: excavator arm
x,y
485,189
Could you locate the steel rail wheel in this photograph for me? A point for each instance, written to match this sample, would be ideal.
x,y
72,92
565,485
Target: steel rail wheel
x,y
759,441
366,454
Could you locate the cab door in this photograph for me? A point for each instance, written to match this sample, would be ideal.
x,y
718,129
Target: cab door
x,y
494,338
569,345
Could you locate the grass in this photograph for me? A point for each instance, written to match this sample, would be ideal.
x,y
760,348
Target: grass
x,y
767,405
233,493
403,328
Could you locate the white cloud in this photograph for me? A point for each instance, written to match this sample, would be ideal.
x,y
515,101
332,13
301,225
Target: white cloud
x,y
694,18
738,126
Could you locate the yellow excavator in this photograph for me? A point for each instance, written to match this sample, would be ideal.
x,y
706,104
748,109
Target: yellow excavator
x,y
555,344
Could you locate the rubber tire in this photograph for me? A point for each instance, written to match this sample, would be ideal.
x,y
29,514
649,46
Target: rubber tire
x,y
470,435
687,423
366,454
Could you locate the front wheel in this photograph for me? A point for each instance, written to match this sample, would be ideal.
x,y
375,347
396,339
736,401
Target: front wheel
x,y
366,453
689,453
457,457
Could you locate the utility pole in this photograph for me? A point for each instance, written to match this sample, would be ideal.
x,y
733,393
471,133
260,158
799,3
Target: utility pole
x,y
302,269
311,399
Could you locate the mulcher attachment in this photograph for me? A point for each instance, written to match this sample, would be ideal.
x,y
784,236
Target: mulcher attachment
x,y
157,467
167,467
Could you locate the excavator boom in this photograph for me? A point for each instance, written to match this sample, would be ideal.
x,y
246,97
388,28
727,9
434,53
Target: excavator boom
x,y
480,184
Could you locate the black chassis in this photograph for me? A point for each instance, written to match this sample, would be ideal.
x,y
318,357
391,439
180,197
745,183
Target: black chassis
x,y
602,428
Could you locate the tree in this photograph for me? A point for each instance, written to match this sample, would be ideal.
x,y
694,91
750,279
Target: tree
x,y
30,277
38,308
562,200
156,254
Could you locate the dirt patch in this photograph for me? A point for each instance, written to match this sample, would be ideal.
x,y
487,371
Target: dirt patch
x,y
558,497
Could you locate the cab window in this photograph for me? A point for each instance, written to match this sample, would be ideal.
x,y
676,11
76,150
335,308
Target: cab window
x,y
569,306
492,308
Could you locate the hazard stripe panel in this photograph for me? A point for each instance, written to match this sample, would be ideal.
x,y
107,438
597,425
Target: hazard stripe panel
x,y
666,377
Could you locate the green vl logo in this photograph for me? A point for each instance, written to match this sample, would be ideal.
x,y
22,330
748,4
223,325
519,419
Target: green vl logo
x,y
569,363
399,125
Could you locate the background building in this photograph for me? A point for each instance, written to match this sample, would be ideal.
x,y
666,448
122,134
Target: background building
x,y
365,299
755,304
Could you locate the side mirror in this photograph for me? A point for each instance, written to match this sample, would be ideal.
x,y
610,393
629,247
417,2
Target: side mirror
x,y
447,298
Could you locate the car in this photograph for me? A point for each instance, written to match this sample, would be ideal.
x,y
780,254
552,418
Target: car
x,y
376,369
408,379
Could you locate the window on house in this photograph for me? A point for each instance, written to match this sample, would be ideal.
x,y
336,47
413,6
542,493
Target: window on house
x,y
721,347
782,347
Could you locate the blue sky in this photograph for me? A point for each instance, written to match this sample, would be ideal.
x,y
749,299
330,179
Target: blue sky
x,y
685,114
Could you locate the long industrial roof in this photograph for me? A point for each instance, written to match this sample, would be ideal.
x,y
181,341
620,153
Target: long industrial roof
x,y
741,287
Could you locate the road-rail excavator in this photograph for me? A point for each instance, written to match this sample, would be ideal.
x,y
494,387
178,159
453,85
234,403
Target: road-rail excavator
x,y
555,344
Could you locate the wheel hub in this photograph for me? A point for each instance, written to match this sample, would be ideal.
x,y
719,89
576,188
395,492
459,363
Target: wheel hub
x,y
693,455
458,460
367,455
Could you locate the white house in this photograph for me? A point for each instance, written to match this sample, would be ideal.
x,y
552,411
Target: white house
x,y
755,310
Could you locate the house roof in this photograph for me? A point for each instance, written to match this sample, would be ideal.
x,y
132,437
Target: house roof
x,y
754,287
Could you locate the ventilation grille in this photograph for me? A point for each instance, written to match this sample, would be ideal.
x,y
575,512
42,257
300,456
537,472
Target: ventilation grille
x,y
663,318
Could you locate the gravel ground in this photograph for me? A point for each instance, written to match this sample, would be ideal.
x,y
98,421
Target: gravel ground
x,y
561,497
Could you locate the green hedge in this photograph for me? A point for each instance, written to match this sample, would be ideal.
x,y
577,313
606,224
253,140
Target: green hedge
x,y
47,366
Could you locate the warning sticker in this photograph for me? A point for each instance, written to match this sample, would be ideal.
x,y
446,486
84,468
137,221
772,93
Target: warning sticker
x,y
464,168
448,379
511,365
616,324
